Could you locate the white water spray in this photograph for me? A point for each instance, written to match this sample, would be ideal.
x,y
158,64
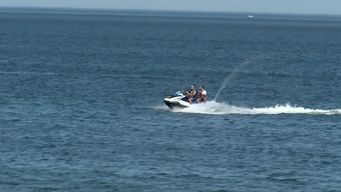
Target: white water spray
x,y
215,108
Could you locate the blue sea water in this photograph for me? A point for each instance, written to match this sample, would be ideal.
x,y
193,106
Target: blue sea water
x,y
81,101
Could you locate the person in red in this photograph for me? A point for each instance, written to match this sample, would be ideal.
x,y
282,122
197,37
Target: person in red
x,y
202,94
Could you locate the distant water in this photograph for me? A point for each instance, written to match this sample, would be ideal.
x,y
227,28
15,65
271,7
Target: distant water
x,y
81,101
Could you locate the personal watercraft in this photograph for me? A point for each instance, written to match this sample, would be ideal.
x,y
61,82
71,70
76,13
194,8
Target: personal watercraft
x,y
178,100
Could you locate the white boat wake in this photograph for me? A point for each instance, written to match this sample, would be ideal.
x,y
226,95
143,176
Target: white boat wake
x,y
216,108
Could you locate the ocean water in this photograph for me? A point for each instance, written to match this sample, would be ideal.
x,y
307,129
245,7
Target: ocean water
x,y
81,101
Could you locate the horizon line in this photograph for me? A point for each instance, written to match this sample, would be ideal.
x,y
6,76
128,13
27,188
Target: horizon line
x,y
166,10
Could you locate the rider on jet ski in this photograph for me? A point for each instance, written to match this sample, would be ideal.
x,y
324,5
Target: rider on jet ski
x,y
202,94
196,96
191,94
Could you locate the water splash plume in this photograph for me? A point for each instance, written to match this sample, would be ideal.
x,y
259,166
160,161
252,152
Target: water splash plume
x,y
234,72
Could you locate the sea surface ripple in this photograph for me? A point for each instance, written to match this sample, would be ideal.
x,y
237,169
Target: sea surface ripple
x,y
82,110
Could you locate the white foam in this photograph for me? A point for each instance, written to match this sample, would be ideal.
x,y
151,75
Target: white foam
x,y
216,108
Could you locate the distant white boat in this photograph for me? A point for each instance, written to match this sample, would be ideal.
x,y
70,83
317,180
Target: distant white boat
x,y
250,16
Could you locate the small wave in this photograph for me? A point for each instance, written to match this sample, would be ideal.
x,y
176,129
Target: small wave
x,y
26,73
161,107
141,76
216,108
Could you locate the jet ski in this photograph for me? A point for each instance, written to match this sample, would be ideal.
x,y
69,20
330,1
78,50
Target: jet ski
x,y
178,100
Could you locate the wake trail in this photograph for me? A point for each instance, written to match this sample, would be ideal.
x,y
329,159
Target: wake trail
x,y
215,108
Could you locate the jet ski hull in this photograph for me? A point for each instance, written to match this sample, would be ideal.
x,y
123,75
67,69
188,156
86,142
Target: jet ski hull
x,y
176,103
178,100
